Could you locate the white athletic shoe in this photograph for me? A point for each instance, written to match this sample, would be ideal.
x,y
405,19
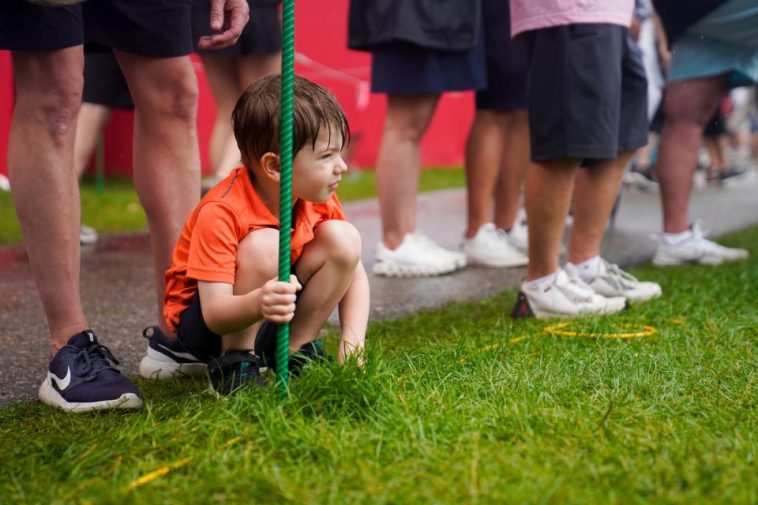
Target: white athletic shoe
x,y
87,235
611,281
458,257
491,247
518,236
695,249
415,257
564,297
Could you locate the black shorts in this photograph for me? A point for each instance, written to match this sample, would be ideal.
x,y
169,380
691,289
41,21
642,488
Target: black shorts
x,y
507,61
104,83
28,27
261,35
200,341
143,27
587,92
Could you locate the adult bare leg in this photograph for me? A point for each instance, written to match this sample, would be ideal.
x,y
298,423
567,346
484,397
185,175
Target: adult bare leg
x,y
43,178
513,168
595,192
223,79
689,105
549,185
484,157
399,162
90,124
166,156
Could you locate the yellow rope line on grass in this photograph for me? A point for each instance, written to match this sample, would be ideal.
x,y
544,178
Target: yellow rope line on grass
x,y
559,331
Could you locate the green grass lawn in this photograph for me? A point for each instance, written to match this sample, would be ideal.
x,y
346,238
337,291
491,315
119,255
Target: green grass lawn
x,y
456,405
118,209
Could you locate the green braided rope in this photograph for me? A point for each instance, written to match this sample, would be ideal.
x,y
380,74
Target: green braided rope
x,y
285,190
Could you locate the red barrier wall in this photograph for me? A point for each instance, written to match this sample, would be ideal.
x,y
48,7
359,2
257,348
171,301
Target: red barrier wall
x,y
322,57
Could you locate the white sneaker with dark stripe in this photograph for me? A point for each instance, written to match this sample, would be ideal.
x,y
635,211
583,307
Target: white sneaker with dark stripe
x,y
167,358
611,281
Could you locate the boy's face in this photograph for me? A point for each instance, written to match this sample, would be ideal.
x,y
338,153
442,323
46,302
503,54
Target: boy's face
x,y
317,169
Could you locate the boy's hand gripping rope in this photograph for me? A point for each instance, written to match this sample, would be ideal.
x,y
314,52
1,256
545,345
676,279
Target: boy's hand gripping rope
x,y
285,189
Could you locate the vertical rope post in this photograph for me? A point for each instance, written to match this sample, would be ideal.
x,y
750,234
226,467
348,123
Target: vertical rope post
x,y
285,189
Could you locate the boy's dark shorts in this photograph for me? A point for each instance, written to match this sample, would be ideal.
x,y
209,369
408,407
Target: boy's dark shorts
x,y
142,27
587,92
199,340
507,61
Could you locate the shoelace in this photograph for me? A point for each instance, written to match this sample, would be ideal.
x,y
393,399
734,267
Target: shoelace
x,y
618,277
577,289
94,359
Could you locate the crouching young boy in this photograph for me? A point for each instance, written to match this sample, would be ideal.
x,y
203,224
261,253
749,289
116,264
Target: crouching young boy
x,y
222,294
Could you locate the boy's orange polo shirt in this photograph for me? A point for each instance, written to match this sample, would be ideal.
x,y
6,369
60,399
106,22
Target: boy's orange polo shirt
x,y
207,246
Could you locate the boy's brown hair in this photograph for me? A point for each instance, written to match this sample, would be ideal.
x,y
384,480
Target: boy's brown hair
x,y
255,119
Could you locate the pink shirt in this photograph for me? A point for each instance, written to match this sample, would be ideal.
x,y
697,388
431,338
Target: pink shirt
x,y
534,14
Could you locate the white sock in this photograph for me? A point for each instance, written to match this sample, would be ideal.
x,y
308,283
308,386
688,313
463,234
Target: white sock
x,y
677,238
588,269
537,283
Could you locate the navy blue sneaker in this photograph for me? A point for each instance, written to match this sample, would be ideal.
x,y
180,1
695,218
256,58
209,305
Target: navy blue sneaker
x,y
235,370
81,378
167,358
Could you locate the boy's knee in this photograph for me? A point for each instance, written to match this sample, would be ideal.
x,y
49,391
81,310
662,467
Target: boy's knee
x,y
259,252
343,242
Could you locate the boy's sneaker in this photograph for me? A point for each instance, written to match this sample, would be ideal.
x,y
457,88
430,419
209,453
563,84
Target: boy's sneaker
x,y
81,378
611,281
564,297
265,347
234,371
167,358
490,247
695,250
417,256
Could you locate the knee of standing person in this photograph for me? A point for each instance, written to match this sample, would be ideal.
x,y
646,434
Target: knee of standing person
x,y
58,105
176,98
342,242
258,253
685,104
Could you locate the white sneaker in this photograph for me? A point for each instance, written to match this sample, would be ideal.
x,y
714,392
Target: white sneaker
x,y
564,297
612,281
695,249
490,247
87,235
519,234
458,257
413,258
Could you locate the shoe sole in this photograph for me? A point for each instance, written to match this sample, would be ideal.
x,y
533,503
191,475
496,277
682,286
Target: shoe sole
x,y
385,270
497,264
658,262
48,395
157,366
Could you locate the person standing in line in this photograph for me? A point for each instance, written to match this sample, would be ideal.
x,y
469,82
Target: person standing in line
x,y
419,49
587,114
152,50
257,53
497,150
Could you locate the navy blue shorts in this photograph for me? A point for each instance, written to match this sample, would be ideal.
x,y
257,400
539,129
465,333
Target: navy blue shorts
x,y
402,68
587,92
507,61
141,27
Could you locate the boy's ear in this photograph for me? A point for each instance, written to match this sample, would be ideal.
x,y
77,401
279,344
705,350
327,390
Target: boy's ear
x,y
270,165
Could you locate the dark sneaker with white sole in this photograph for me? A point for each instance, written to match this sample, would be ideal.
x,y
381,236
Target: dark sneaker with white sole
x,y
167,358
265,347
235,370
81,378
